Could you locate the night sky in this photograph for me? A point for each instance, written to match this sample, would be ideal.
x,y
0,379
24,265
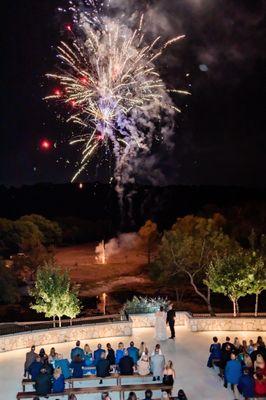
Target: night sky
x,y
220,138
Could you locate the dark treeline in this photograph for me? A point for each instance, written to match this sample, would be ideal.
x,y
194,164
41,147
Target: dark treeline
x,y
98,203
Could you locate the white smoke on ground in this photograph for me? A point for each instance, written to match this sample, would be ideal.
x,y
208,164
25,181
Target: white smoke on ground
x,y
122,243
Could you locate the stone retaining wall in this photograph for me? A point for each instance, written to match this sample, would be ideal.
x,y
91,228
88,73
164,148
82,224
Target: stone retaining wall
x,y
65,334
124,328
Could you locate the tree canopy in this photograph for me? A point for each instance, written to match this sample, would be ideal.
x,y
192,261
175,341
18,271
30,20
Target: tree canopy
x,y
53,293
50,230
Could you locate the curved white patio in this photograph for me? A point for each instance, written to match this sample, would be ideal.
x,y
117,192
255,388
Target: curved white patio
x,y
189,353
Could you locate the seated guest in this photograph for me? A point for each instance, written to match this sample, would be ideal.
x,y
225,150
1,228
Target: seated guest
x,y
63,363
77,367
58,381
227,343
232,372
157,349
126,365
110,354
119,352
72,397
244,346
169,374
143,349
260,342
143,365
246,384
248,363
105,396
148,394
133,352
49,368
77,351
181,395
165,396
215,353
30,357
88,355
102,367
157,364
132,396
42,354
53,355
43,383
260,383
259,363
97,353
250,347
35,368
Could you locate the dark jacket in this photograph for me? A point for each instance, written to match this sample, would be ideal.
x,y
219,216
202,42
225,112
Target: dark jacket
x,y
77,351
77,368
170,318
58,384
225,344
126,365
111,356
103,368
97,355
246,386
34,369
43,384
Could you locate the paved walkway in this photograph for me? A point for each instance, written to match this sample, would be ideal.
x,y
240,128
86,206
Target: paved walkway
x,y
188,353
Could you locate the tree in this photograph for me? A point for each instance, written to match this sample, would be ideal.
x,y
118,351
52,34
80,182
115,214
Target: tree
x,y
51,231
29,235
149,235
187,250
258,276
53,293
230,275
9,292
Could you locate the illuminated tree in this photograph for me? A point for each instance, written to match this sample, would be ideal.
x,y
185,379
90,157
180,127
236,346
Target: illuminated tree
x,y
149,235
230,275
257,269
53,294
187,249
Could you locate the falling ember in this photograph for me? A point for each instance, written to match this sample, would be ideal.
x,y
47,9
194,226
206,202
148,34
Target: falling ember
x,y
109,77
100,253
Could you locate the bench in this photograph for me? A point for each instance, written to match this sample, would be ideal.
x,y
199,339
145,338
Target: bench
x,y
99,389
71,381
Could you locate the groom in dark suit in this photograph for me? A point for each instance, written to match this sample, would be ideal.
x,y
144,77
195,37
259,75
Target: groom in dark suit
x,y
170,319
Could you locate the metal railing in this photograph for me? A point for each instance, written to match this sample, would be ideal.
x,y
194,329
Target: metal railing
x,y
18,327
229,315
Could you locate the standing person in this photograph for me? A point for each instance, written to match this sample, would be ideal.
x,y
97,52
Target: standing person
x,y
233,372
148,394
246,384
215,353
35,368
171,320
77,366
110,354
157,364
97,353
77,351
160,324
260,383
228,343
133,352
169,374
132,396
53,355
30,357
102,368
43,383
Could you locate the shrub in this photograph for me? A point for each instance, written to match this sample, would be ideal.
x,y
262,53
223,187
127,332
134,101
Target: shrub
x,y
144,305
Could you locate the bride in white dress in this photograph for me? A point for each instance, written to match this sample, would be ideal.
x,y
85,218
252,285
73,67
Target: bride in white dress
x,y
160,325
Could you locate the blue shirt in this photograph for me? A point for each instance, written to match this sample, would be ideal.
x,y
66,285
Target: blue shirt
x,y
133,352
77,351
58,384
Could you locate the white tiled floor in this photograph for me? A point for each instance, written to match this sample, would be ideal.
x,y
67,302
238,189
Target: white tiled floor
x,y
188,352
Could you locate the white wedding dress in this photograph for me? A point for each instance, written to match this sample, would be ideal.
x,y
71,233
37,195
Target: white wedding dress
x,y
160,325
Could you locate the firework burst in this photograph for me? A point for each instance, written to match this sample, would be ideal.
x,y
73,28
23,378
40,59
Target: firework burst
x,y
109,80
